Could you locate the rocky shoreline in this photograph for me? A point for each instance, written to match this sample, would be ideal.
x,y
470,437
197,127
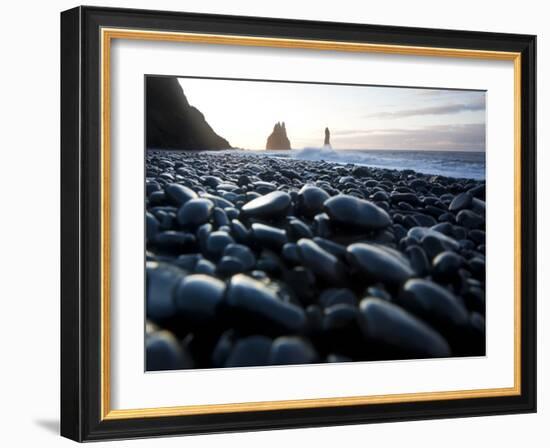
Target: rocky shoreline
x,y
257,261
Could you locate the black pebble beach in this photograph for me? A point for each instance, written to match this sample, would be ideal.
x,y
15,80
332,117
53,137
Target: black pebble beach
x,y
254,260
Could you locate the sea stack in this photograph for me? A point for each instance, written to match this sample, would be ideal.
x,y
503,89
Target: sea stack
x,y
174,124
327,138
278,138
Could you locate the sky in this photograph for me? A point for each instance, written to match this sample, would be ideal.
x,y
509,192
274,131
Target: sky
x,y
359,117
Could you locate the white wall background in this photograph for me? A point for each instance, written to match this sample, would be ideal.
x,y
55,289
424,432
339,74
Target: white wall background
x,y
29,220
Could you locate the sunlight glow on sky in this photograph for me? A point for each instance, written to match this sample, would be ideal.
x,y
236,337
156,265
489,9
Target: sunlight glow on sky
x,y
359,117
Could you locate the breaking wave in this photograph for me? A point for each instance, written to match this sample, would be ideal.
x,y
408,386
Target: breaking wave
x,y
460,164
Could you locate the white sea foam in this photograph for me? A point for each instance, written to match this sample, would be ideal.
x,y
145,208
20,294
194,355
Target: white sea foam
x,y
464,164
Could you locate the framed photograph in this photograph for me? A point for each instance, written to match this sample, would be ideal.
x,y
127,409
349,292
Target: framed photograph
x,y
274,223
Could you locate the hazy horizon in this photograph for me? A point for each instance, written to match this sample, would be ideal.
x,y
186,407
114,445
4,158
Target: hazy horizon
x,y
359,117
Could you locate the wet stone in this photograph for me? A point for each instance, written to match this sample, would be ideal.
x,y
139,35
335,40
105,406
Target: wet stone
x,y
232,213
263,187
195,212
419,260
228,266
380,196
404,197
302,282
157,197
330,246
270,205
459,233
334,296
356,212
223,348
162,280
409,221
218,201
325,265
174,242
419,233
314,317
227,187
405,206
460,202
205,266
478,192
385,323
243,180
432,246
478,236
446,217
291,350
446,266
298,229
188,261
254,299
251,195
269,236
469,219
239,231
424,220
477,322
474,299
478,206
250,351
151,186
151,226
476,266
257,274
321,225
399,232
311,200
211,181
290,253
198,298
270,262
378,292
242,253
163,352
340,316
466,245
217,242
220,217
434,211
203,232
361,171
433,303
378,264
179,194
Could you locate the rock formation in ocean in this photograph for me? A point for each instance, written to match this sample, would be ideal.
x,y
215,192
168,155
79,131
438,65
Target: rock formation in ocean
x,y
278,138
172,123
327,137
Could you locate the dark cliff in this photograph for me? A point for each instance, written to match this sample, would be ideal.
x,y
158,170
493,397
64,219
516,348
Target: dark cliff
x,y
278,138
172,123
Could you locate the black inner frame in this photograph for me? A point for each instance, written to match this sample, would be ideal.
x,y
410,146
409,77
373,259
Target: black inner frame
x,y
81,223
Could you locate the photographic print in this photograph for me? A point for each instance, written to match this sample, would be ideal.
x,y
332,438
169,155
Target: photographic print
x,y
252,201
306,223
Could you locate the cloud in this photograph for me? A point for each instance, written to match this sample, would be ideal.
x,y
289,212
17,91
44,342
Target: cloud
x,y
445,109
459,137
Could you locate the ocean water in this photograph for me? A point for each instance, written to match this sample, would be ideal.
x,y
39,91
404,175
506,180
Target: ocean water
x,y
458,164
